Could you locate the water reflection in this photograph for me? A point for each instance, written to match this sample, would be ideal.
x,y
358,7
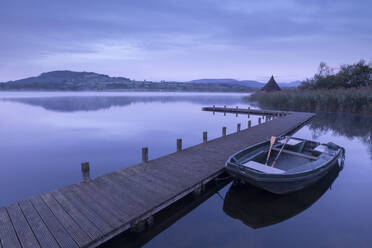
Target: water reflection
x,y
258,208
43,147
343,124
70,103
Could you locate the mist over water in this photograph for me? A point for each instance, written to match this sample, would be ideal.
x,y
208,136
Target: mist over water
x,y
45,137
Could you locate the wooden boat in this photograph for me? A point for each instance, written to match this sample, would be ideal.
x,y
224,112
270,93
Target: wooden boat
x,y
284,165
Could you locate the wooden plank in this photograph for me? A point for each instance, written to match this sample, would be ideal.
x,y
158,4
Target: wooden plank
x,y
155,178
60,234
80,237
132,208
179,165
124,188
137,190
43,235
103,210
199,164
156,183
23,230
8,235
83,222
174,183
124,204
174,174
86,208
296,154
104,200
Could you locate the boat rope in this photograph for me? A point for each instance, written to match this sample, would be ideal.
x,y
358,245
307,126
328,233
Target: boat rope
x,y
217,179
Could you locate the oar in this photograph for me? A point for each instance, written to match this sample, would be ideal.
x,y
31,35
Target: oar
x,y
281,149
272,142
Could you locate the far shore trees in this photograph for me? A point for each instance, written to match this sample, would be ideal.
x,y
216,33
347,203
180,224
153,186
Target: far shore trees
x,y
347,90
349,76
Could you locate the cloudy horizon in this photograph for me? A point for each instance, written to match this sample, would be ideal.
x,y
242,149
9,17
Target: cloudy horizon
x,y
183,40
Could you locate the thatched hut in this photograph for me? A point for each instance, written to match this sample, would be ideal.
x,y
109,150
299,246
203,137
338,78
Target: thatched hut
x,y
271,85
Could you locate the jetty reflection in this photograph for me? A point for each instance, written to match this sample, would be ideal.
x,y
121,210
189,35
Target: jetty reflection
x,y
258,208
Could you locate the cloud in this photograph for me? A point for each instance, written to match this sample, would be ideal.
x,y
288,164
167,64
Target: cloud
x,y
143,39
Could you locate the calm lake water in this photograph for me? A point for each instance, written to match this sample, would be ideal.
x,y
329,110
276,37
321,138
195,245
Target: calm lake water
x,y
45,137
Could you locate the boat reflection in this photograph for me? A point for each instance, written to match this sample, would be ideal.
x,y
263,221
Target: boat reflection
x,y
258,208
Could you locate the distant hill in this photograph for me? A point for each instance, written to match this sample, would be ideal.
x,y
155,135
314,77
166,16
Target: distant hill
x,y
292,84
66,79
75,81
248,83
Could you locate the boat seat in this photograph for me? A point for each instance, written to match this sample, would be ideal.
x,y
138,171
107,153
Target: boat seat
x,y
296,154
263,168
292,142
321,148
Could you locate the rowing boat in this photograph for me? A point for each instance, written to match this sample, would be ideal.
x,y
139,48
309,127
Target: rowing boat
x,y
285,164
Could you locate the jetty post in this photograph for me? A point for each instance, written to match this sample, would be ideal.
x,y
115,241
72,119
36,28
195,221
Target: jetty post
x,y
179,145
85,171
223,131
205,137
249,124
145,154
238,127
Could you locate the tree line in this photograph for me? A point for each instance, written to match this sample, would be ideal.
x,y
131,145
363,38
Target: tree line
x,y
348,76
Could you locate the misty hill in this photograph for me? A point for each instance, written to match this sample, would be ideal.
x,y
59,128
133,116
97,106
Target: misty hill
x,y
72,81
66,79
248,83
290,84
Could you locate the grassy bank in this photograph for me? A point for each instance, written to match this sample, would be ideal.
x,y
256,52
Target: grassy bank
x,y
353,100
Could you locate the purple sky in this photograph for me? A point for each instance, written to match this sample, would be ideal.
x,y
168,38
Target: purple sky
x,y
183,40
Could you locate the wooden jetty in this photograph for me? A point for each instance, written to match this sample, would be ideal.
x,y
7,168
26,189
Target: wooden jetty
x,y
246,111
96,210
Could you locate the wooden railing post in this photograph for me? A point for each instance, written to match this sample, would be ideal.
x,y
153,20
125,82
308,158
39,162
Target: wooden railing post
x,y
85,171
179,145
145,154
223,131
205,137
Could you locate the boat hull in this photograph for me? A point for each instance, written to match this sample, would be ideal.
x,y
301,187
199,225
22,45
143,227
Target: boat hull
x,y
283,184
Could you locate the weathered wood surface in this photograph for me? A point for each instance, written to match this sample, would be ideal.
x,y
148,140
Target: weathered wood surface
x,y
89,213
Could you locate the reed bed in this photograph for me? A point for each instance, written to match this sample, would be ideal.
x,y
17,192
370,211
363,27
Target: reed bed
x,y
353,100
